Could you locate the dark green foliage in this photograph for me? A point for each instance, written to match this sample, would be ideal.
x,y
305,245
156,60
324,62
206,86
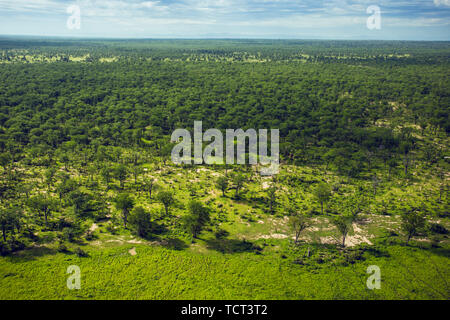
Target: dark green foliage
x,y
299,222
124,202
140,222
167,199
322,193
413,222
343,225
222,184
238,181
197,218
438,228
81,253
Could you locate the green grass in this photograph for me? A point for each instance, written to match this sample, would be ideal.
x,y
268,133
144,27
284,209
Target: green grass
x,y
160,273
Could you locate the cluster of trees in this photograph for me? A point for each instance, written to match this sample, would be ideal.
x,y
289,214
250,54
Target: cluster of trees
x,y
64,125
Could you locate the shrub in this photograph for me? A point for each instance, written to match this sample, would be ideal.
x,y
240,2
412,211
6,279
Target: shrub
x,y
140,222
62,248
220,234
81,253
438,228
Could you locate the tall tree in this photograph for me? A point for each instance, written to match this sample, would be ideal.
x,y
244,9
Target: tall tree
x,y
197,218
167,199
124,202
322,193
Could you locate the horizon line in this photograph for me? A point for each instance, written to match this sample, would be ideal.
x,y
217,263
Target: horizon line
x,y
66,37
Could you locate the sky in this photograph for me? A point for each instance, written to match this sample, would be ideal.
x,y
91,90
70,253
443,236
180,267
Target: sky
x,y
273,19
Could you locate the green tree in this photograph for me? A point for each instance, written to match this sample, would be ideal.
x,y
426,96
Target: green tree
x,y
322,193
5,160
299,222
412,222
272,195
222,184
150,185
10,220
238,181
124,202
198,217
167,199
43,204
343,225
140,222
105,173
121,174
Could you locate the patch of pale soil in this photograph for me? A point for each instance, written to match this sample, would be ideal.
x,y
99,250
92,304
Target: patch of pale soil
x,y
327,240
213,173
356,228
274,236
132,251
115,240
315,229
93,227
352,241
135,241
261,222
358,238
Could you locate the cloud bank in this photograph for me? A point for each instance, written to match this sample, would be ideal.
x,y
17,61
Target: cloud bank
x,y
336,19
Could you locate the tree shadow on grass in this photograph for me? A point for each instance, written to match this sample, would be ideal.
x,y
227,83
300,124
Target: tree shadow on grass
x,y
174,244
30,254
232,245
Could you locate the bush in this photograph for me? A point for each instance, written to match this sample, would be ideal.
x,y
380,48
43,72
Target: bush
x,y
438,228
46,237
140,222
62,248
71,234
81,253
111,229
5,248
220,234
90,235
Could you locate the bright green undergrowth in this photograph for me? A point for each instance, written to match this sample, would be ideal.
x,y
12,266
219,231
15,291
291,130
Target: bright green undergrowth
x,y
160,273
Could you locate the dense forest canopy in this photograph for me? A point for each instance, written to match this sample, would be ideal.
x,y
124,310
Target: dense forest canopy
x,y
319,94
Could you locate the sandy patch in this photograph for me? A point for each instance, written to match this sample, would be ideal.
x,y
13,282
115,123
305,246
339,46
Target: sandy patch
x,y
274,236
132,252
115,240
265,185
135,241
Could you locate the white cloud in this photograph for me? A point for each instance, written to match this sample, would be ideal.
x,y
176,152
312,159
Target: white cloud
x,y
234,17
442,2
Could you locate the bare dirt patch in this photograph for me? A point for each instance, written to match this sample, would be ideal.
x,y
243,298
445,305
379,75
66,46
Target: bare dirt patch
x,y
132,252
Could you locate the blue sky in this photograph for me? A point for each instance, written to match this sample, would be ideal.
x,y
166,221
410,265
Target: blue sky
x,y
299,19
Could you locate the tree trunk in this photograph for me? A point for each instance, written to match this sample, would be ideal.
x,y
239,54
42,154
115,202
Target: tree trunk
x,y
125,218
409,238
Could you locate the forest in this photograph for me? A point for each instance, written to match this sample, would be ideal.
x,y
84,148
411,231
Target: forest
x,y
86,176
